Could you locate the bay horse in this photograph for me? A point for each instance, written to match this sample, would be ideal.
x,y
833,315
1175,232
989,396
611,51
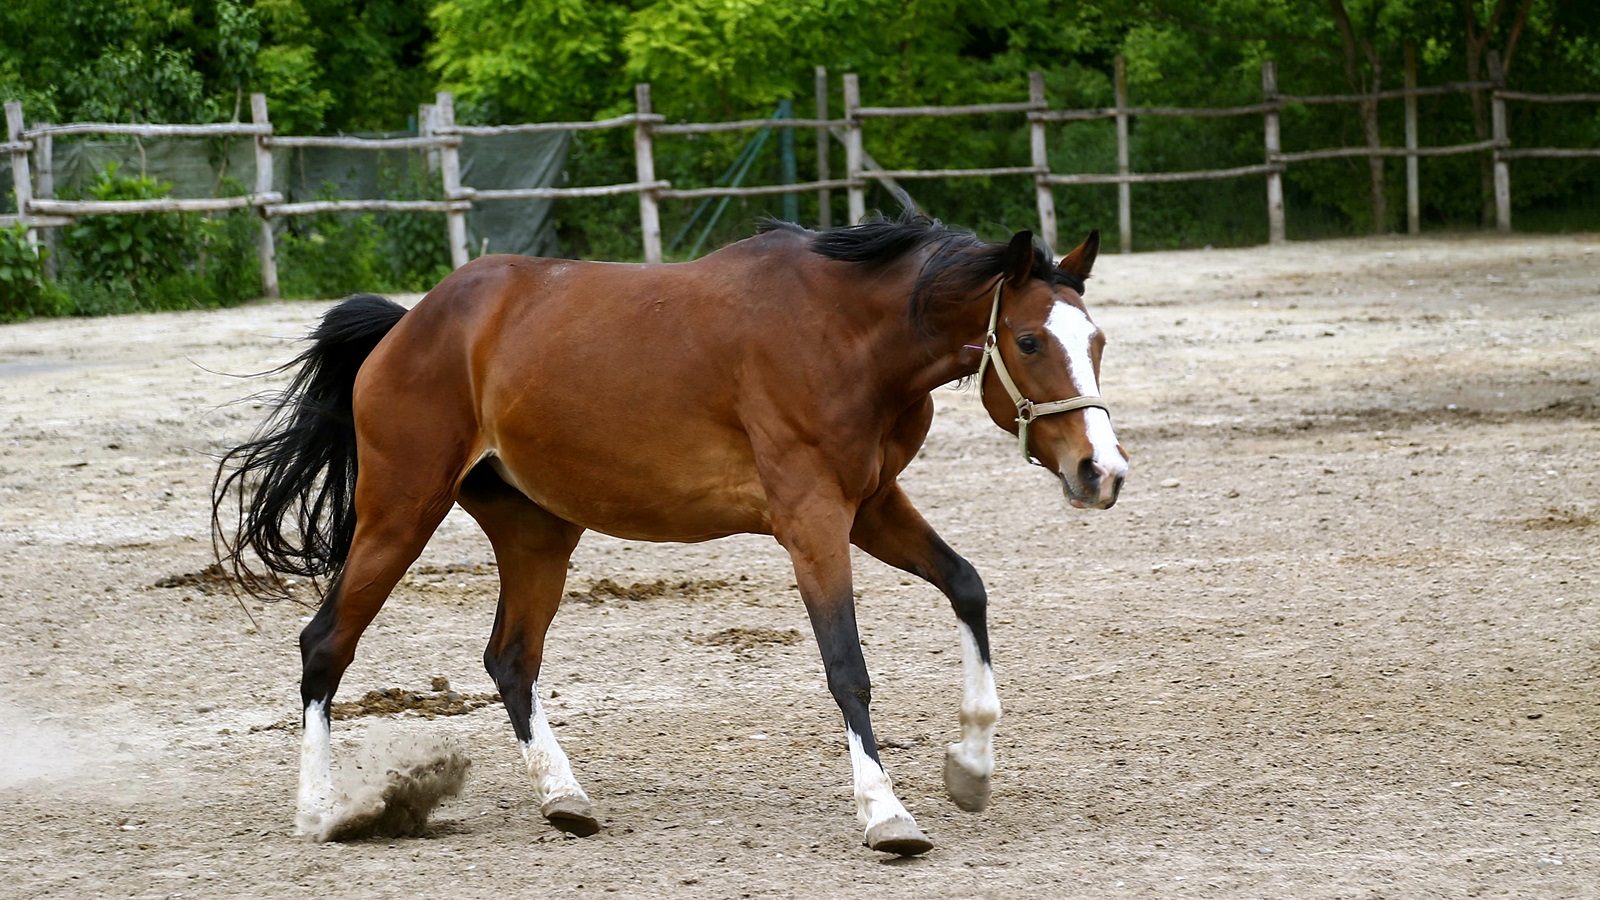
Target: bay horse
x,y
777,386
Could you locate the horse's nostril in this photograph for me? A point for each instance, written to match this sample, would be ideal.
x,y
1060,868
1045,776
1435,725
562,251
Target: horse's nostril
x,y
1089,475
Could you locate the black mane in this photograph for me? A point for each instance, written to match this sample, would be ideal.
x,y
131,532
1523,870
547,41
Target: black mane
x,y
959,268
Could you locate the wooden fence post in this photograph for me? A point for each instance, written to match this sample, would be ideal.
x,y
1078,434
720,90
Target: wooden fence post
x,y
852,149
1413,195
266,247
44,153
1124,189
428,126
44,156
644,160
1043,195
21,178
1502,170
824,196
1276,233
450,175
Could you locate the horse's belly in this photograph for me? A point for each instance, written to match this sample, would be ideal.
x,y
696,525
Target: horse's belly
x,y
673,500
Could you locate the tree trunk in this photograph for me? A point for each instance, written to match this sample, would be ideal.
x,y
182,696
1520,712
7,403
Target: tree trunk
x,y
1477,44
1368,109
1375,167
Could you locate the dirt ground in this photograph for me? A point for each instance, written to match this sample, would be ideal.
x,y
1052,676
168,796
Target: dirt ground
x,y
1339,638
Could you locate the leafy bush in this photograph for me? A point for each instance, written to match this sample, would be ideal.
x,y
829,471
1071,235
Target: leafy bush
x,y
156,261
139,249
419,253
333,254
24,292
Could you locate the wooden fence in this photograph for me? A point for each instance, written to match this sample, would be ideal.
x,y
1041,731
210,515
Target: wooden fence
x,y
441,137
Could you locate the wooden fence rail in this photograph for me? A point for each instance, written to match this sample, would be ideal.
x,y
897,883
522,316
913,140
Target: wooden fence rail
x,y
442,138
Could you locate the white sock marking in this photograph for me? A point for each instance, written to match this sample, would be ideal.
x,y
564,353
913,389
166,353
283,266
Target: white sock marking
x,y
316,768
980,709
547,762
875,799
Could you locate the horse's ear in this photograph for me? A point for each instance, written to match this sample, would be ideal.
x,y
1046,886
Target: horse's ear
x,y
1018,265
1080,261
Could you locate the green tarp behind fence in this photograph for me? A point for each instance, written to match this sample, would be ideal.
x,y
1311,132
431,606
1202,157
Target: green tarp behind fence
x,y
202,168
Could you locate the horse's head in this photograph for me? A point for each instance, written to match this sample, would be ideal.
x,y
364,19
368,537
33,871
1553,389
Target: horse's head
x,y
1044,351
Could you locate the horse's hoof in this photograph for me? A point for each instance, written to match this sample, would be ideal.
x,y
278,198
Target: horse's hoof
x,y
311,824
573,815
969,791
900,836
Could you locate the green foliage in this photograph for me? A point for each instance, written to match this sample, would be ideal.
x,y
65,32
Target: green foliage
x,y
350,65
289,76
514,61
365,65
344,64
156,261
139,249
419,254
332,254
129,84
24,292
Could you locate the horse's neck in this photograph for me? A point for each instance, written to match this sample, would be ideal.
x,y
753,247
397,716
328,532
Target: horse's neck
x,y
947,347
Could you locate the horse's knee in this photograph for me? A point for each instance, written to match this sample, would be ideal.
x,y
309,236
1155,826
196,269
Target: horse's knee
x,y
511,658
965,589
850,687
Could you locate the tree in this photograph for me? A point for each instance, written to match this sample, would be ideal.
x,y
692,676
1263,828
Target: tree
x,y
1479,34
1359,47
516,61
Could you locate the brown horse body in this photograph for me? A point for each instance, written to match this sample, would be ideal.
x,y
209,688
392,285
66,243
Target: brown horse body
x,y
778,386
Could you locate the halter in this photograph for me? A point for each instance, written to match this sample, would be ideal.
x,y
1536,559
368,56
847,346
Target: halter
x,y
1027,410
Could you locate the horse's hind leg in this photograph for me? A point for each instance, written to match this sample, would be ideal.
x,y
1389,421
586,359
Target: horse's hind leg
x,y
532,547
890,528
393,524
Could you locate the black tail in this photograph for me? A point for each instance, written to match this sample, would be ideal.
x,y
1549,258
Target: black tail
x,y
295,478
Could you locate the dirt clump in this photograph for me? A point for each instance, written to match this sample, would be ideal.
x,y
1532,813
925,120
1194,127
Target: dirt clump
x,y
744,640
441,701
606,589
1560,519
214,579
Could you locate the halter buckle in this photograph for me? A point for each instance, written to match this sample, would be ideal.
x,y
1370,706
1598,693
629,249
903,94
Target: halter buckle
x,y
1025,412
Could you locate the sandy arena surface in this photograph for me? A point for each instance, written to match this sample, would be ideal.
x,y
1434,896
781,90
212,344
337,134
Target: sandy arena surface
x,y
1340,637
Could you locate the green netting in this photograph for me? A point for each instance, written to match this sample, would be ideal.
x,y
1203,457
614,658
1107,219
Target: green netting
x,y
209,168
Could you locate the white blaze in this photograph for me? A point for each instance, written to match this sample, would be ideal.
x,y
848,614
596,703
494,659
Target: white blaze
x,y
1071,327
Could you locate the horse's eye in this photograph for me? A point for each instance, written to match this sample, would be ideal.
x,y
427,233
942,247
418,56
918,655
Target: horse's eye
x,y
1028,344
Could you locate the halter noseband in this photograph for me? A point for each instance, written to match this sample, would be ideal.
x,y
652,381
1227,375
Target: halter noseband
x,y
1027,410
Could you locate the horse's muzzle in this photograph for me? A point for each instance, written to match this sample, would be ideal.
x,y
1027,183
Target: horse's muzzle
x,y
1095,485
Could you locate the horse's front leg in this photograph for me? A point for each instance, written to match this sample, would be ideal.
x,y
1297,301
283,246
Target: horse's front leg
x,y
891,529
816,534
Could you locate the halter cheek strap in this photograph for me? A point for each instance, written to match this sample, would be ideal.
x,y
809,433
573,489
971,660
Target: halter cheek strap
x,y
1027,410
